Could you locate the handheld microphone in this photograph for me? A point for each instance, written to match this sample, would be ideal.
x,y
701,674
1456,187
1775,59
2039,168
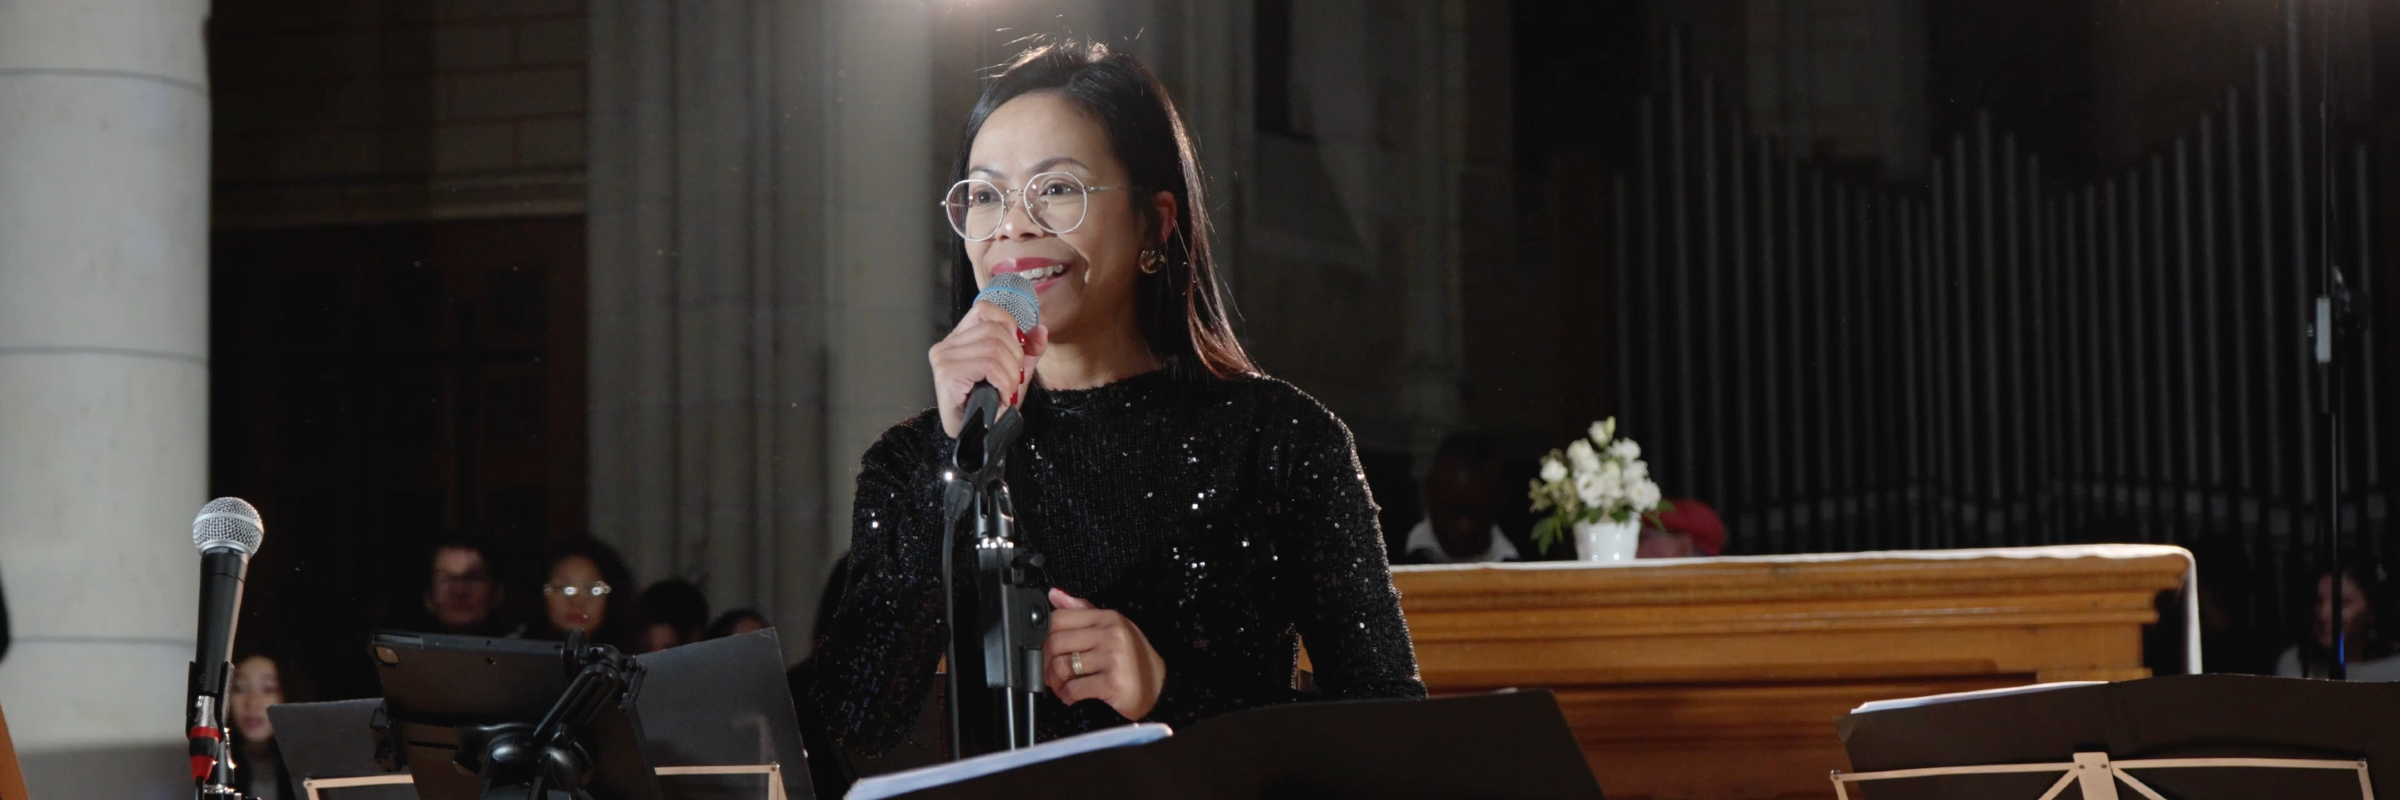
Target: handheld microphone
x,y
1013,294
227,532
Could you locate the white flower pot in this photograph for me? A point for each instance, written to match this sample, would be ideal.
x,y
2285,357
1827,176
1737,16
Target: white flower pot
x,y
1607,540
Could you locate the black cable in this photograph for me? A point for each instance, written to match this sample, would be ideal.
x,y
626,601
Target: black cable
x,y
2330,288
957,490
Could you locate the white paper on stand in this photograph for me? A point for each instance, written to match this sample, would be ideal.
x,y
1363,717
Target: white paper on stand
x,y
1932,699
899,783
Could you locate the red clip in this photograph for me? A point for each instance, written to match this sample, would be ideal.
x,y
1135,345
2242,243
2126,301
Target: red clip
x,y
206,743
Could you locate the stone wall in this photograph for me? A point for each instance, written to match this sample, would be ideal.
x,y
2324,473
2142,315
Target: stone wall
x,y
348,112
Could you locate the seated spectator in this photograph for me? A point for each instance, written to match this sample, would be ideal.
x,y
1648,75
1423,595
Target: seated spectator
x,y
677,612
1691,529
1462,503
737,622
258,682
580,593
2370,652
463,595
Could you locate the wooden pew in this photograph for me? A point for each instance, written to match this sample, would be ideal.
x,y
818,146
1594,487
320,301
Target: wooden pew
x,y
1721,678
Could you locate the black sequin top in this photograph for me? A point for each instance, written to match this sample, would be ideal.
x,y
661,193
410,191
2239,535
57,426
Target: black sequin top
x,y
1228,520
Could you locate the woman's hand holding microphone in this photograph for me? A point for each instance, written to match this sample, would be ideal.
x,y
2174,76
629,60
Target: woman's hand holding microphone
x,y
984,347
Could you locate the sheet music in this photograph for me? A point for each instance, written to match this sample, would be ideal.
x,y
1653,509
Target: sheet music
x,y
1931,699
899,783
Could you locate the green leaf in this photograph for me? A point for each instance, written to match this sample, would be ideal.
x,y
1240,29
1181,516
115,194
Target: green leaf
x,y
1547,533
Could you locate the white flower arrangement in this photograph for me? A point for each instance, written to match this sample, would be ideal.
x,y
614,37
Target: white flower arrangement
x,y
1596,478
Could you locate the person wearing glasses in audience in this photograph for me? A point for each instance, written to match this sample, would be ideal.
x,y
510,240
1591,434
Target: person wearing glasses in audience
x,y
1198,518
581,592
462,595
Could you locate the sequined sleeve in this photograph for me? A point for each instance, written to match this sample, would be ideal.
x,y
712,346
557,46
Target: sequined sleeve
x,y
876,659
1334,574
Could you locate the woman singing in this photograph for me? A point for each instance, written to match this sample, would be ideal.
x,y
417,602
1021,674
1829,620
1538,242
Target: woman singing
x,y
1200,519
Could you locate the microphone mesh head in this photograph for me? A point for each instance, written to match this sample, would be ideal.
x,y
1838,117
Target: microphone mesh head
x,y
1014,294
228,522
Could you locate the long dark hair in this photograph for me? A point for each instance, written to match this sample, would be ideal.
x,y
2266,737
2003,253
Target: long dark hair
x,y
2363,571
1181,308
617,620
249,773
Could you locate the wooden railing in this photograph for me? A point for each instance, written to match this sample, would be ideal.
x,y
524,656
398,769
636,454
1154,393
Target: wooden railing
x,y
1721,678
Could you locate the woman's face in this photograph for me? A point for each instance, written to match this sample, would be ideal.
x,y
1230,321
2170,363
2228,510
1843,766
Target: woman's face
x,y
255,686
2354,610
1085,277
573,604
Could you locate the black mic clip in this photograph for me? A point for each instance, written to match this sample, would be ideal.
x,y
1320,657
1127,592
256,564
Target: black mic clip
x,y
520,761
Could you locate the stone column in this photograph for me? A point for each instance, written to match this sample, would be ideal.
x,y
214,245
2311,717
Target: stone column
x,y
884,246
1380,98
763,282
103,383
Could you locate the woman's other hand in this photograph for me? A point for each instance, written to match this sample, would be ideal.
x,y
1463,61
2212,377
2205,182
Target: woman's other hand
x,y
1097,654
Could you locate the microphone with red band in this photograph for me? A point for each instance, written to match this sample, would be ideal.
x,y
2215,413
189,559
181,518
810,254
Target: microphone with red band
x,y
227,532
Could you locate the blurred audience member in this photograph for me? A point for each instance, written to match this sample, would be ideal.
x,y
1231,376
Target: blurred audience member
x,y
735,623
677,613
581,593
1691,529
258,766
1462,504
2370,651
463,595
1516,516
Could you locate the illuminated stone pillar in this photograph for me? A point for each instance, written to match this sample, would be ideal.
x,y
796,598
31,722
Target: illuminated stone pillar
x,y
104,165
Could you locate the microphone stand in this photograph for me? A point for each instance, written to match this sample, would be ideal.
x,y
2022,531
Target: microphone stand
x,y
995,646
2334,331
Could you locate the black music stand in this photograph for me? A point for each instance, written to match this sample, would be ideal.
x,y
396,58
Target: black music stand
x,y
1499,746
719,720
333,744
463,710
713,720
2192,737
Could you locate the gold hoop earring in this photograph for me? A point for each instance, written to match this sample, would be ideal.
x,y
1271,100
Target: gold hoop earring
x,y
1150,261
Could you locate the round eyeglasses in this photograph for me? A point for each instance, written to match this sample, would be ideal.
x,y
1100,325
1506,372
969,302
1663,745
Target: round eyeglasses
x,y
1053,200
593,589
